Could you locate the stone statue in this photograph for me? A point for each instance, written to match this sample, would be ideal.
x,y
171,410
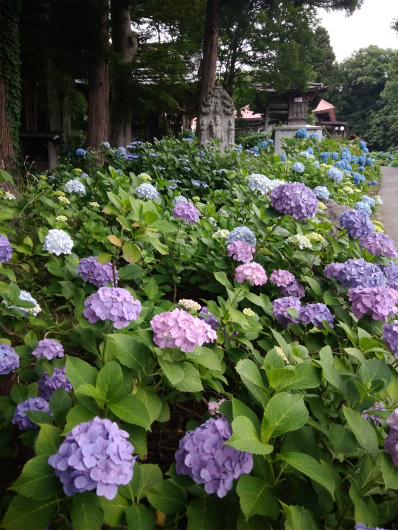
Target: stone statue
x,y
217,118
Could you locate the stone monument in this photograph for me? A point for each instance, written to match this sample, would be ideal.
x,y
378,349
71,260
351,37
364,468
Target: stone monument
x,y
217,118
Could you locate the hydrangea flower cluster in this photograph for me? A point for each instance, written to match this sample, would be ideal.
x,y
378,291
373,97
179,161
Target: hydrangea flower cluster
x,y
296,199
299,167
355,272
379,244
113,303
367,414
391,274
280,307
315,314
9,359
212,407
357,223
26,311
200,183
189,304
186,211
262,183
179,198
22,420
209,318
335,174
293,289
368,200
58,242
249,312
99,274
48,349
94,455
81,152
374,301
179,329
5,249
75,186
203,456
221,234
253,272
241,251
362,526
300,241
49,384
147,191
301,133
242,233
322,192
363,207
391,442
281,278
358,178
390,337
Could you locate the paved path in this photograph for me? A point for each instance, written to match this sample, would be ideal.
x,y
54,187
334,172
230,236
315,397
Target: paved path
x,y
388,211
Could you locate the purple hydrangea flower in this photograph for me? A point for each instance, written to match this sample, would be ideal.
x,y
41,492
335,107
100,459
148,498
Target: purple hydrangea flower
x,y
281,305
299,167
241,233
281,278
9,359
378,244
377,302
48,349
332,270
391,274
293,289
390,337
362,526
58,242
315,314
94,455
357,223
186,211
369,413
49,384
253,272
204,457
209,318
241,251
99,274
296,199
179,329
355,272
113,303
5,249
391,442
200,183
20,417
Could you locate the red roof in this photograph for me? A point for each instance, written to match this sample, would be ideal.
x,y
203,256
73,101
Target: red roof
x,y
323,106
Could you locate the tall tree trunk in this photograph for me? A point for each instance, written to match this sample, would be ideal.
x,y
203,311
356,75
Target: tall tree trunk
x,y
30,97
54,111
98,76
124,44
67,110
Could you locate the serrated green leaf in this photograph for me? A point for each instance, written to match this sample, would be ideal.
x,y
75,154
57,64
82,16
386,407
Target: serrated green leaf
x,y
60,405
298,518
130,409
78,414
78,372
113,509
86,511
110,380
48,441
191,381
38,480
363,432
139,517
205,357
19,393
173,371
390,471
256,498
245,438
204,514
26,513
221,277
131,252
284,413
151,401
167,497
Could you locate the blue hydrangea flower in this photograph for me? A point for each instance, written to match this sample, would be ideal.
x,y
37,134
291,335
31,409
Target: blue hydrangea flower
x,y
362,160
178,199
271,142
301,133
335,156
354,159
147,191
361,169
58,242
357,178
263,145
81,152
106,144
241,233
322,192
256,148
299,167
75,186
314,137
325,156
363,207
368,200
199,183
283,157
335,174
369,162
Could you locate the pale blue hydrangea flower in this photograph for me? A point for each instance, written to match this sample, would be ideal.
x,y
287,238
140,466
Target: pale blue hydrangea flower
x,y
299,167
58,242
75,186
147,191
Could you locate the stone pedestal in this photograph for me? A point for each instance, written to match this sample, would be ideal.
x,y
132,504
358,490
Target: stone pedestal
x,y
217,118
289,131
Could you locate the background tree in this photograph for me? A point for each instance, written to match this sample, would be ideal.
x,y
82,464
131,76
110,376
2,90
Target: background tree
x,y
324,60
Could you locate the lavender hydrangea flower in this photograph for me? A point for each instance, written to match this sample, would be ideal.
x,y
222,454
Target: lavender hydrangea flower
x,y
253,272
362,526
48,349
322,192
241,251
299,167
391,274
26,311
315,314
186,211
203,456
5,249
363,207
49,384
378,244
9,359
179,329
209,318
280,307
58,242
374,301
357,223
296,199
75,186
281,278
113,303
332,270
94,455
293,289
179,198
355,272
335,174
241,233
390,337
369,413
147,191
200,183
99,274
22,420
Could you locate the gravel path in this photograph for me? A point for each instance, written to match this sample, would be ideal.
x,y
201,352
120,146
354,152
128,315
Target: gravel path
x,y
388,211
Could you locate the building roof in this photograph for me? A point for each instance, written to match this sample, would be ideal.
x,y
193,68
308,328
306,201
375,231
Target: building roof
x,y
323,106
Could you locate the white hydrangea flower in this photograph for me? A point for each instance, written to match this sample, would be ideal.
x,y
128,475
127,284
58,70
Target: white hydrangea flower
x,y
61,218
378,199
58,242
26,311
9,196
63,200
75,186
300,241
221,234
189,304
248,312
314,236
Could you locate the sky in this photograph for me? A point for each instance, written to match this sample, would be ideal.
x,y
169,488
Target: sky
x,y
368,25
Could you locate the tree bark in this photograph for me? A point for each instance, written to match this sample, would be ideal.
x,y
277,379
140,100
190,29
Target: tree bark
x,y
7,153
54,111
98,77
67,110
124,44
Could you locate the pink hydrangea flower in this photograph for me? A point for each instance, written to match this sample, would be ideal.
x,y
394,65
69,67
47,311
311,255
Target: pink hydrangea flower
x,y
241,251
253,272
281,278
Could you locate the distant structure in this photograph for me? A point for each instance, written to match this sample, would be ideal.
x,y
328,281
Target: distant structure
x,y
326,117
217,118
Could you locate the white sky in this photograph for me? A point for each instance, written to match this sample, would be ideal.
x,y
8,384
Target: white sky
x,y
368,25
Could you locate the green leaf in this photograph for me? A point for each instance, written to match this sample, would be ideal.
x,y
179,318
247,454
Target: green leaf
x,y
160,247
91,391
332,376
363,512
191,381
150,217
262,301
132,353
24,511
130,409
298,518
314,284
205,357
86,511
310,467
137,437
284,413
114,509
240,409
78,372
245,438
48,441
390,471
139,517
130,272
256,498
131,252
19,393
60,405
38,480
305,376
221,277
375,373
252,379
104,257
204,514
145,477
173,371
110,380
78,414
151,401
167,497
39,416
363,432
